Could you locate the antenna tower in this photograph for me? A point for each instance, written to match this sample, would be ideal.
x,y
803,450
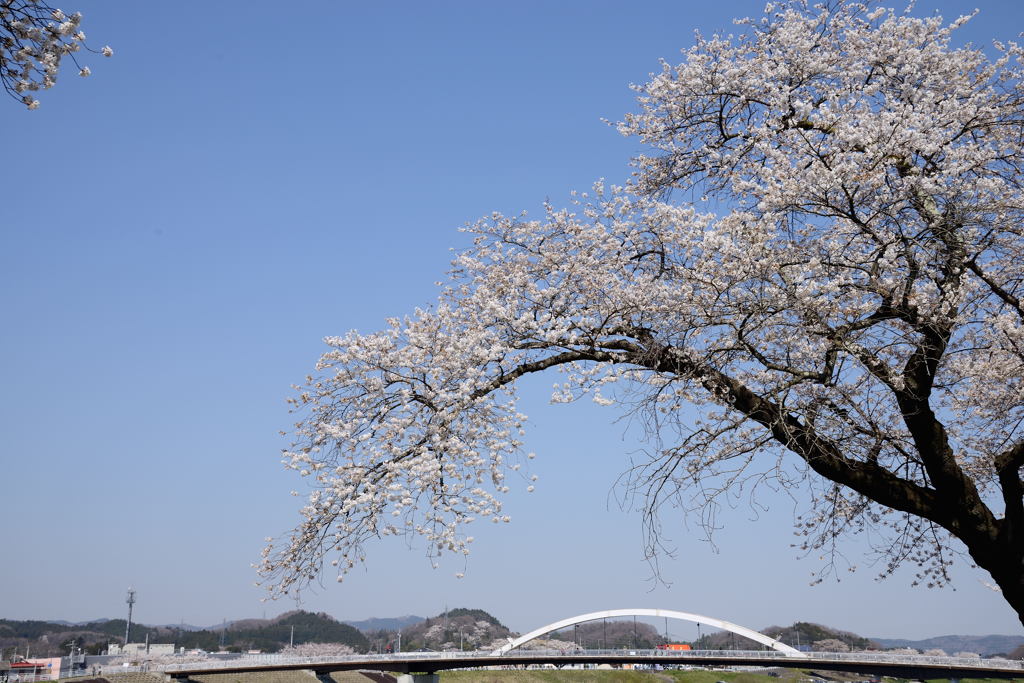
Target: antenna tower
x,y
131,603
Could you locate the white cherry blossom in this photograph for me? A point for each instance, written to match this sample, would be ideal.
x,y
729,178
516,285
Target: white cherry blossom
x,y
34,38
820,261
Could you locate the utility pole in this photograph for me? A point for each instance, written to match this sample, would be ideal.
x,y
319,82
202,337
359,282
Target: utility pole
x,y
131,603
291,638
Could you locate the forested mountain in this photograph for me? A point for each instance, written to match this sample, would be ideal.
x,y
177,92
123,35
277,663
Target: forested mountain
x,y
804,635
384,624
986,646
612,635
470,629
299,627
49,639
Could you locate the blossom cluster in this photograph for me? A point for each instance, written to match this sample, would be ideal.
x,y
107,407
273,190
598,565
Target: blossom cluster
x,y
834,309
34,38
317,650
472,635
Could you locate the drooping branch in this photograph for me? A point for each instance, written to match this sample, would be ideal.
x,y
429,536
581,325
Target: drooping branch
x,y
999,291
820,453
845,292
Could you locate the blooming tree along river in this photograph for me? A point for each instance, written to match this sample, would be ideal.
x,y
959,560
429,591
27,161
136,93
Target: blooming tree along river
x,y
821,255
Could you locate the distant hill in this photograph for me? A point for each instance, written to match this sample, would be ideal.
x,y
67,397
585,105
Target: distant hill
x,y
244,624
804,634
384,624
180,627
297,626
474,628
77,623
801,635
47,639
50,638
611,634
471,628
986,646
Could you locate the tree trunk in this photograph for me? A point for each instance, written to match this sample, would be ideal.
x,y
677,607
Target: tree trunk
x,y
1005,563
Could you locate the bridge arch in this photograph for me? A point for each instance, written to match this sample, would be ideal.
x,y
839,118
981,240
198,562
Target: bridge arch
x,y
646,612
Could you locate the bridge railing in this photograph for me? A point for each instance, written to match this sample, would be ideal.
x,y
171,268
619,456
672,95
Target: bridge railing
x,y
889,658
769,655
766,656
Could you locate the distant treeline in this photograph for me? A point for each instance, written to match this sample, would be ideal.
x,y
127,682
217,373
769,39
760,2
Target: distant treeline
x,y
47,639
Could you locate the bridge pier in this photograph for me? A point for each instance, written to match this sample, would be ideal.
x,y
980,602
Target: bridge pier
x,y
419,678
322,676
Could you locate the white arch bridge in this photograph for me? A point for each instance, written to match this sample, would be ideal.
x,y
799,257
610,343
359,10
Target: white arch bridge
x,y
645,612
425,664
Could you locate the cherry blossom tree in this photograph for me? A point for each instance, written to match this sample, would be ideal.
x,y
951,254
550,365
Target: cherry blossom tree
x,y
318,650
34,38
811,285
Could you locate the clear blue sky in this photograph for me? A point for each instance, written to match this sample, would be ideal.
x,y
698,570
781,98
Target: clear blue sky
x,y
241,179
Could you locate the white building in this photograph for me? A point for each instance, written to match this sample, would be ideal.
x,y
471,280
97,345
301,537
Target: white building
x,y
141,649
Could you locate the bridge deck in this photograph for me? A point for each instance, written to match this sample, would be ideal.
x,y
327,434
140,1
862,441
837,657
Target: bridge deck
x,y
912,667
